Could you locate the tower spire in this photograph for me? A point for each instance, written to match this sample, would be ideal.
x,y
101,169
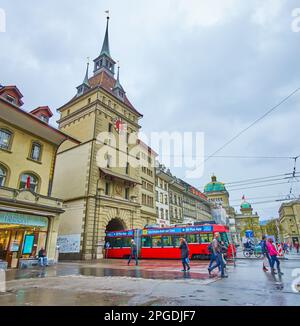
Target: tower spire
x,y
104,62
85,84
105,46
118,89
86,78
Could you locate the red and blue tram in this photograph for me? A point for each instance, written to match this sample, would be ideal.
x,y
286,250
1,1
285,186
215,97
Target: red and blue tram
x,y
163,243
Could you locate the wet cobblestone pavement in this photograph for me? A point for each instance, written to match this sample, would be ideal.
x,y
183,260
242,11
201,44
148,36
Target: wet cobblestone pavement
x,y
112,282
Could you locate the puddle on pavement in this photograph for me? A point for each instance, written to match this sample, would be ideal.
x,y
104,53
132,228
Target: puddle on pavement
x,y
49,297
139,273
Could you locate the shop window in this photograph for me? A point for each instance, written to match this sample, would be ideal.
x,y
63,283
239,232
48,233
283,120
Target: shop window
x,y
5,138
3,176
29,181
36,151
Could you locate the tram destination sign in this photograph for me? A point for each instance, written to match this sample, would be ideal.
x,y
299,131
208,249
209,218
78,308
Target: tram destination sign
x,y
120,234
23,219
180,230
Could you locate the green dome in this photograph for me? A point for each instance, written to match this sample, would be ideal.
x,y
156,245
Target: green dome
x,y
245,205
214,186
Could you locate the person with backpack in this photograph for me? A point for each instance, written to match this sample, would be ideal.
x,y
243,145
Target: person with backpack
x,y
265,252
184,255
218,253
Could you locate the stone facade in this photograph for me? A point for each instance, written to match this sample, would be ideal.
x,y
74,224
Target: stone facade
x,y
289,217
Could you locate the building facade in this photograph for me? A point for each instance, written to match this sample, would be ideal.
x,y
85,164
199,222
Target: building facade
x,y
218,196
289,219
147,191
196,207
176,190
247,220
99,179
162,182
29,215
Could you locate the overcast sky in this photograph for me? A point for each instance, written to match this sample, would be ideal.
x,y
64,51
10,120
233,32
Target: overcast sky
x,y
187,65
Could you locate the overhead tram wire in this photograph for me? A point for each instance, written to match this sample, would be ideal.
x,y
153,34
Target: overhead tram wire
x,y
259,182
256,198
261,186
283,175
252,124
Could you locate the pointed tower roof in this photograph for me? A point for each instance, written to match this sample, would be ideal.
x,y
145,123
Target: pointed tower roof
x,y
118,85
82,88
86,78
105,46
104,62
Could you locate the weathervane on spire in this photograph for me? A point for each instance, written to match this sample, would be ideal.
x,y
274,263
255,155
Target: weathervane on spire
x,y
107,12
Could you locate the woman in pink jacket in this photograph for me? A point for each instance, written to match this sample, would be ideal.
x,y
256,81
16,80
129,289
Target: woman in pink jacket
x,y
273,254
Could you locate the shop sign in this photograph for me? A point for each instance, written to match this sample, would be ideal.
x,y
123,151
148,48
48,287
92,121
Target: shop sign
x,y
23,219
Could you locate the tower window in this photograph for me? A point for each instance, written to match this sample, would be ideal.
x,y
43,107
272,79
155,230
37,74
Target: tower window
x,y
126,193
30,181
107,188
5,138
36,151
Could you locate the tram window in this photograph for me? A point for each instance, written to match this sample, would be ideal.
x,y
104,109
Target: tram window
x,y
206,237
176,241
116,242
146,242
126,242
156,242
224,237
167,241
192,238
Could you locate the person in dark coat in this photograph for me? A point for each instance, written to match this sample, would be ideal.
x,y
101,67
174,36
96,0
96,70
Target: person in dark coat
x,y
184,254
133,253
43,259
265,252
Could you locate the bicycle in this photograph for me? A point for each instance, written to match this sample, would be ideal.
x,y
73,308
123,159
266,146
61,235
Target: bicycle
x,y
249,252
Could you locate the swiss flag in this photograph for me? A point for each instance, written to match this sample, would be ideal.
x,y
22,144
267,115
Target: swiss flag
x,y
28,183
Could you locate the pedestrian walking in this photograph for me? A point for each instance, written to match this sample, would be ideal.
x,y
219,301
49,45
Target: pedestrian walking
x,y
217,252
184,254
296,246
285,248
133,253
273,254
265,252
213,257
107,246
